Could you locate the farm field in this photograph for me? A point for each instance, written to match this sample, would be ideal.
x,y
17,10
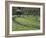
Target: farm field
x,y
29,22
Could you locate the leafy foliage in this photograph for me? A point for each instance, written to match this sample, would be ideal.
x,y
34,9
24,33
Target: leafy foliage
x,y
25,18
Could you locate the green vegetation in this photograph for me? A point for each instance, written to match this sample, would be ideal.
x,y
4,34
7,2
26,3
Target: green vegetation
x,y
26,23
25,18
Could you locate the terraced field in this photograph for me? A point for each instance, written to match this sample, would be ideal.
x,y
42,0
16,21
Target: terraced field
x,y
25,23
